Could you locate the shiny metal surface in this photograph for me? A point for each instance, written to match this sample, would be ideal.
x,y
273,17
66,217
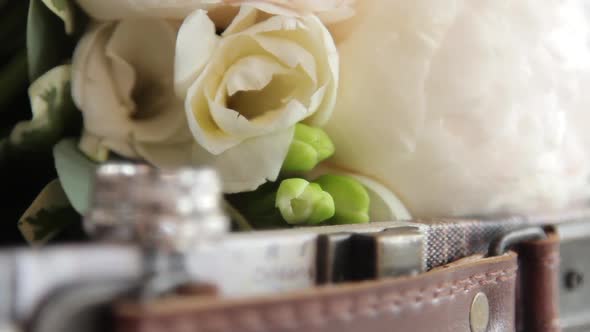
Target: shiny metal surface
x,y
178,213
7,281
479,313
574,302
113,207
82,306
401,252
393,252
334,255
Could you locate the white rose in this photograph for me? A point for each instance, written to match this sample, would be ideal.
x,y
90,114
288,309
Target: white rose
x,y
246,89
467,107
123,82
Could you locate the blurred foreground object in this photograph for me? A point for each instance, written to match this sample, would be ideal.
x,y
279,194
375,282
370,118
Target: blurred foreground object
x,y
170,214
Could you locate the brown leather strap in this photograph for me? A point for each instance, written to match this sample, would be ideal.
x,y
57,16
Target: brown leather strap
x,y
440,300
539,285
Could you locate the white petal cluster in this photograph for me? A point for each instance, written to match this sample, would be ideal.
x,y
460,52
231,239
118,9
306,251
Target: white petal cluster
x,y
466,107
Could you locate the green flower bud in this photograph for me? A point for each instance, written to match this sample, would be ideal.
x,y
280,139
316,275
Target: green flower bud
x,y
301,202
258,207
310,146
350,197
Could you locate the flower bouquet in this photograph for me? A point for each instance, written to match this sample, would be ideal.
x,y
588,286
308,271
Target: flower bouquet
x,y
314,112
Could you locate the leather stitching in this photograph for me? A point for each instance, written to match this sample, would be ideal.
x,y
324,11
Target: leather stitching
x,y
339,308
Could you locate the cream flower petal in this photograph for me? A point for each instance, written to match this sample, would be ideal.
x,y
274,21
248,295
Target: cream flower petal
x,y
167,156
126,9
121,146
151,54
246,18
290,53
81,59
276,23
324,113
254,73
205,131
329,10
93,89
195,44
93,147
317,98
320,43
337,15
123,83
251,73
233,123
124,79
250,164
166,127
265,6
148,45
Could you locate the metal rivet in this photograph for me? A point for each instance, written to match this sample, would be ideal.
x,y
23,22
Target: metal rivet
x,y
479,317
573,280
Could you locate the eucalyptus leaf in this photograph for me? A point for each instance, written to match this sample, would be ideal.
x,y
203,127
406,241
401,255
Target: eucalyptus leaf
x,y
54,113
65,10
13,26
76,173
13,79
49,213
47,42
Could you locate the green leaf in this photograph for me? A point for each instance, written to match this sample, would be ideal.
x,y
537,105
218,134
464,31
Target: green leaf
x,y
47,43
54,113
49,213
13,27
64,10
76,173
13,79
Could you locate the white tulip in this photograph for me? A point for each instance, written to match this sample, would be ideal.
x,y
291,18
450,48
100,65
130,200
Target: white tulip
x,y
123,82
246,89
467,107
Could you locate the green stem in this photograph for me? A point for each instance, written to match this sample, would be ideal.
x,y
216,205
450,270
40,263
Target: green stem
x,y
237,217
13,78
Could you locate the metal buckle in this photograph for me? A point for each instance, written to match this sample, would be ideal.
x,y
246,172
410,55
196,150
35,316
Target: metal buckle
x,y
574,270
504,243
392,252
